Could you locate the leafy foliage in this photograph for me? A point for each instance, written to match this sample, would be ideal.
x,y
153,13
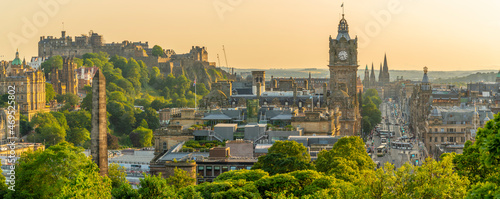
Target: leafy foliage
x,y
283,157
61,171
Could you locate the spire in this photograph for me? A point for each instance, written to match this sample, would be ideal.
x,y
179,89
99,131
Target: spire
x,y
425,79
372,77
386,69
380,74
343,30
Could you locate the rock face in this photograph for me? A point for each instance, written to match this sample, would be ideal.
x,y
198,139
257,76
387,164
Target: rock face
x,y
203,72
98,136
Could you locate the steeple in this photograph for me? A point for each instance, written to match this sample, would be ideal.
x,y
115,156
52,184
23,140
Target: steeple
x,y
343,29
380,74
366,80
386,70
425,81
372,77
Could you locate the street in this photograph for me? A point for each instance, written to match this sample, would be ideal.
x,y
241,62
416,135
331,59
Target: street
x,y
396,155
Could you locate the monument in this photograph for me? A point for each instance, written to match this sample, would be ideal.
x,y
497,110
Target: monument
x,y
98,136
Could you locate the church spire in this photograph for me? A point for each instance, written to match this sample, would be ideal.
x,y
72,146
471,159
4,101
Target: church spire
x,y
386,69
380,74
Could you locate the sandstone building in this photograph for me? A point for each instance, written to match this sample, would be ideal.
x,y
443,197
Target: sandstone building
x,y
29,85
65,80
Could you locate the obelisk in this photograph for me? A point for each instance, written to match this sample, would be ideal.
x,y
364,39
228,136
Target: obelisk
x,y
98,136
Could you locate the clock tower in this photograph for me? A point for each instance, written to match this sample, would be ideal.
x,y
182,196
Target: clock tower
x,y
343,78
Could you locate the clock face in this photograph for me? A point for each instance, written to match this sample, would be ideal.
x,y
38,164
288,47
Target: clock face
x,y
342,55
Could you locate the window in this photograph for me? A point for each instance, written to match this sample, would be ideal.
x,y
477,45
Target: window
x,y
435,139
248,168
209,171
224,169
442,139
463,139
164,146
216,170
442,129
233,168
430,139
200,168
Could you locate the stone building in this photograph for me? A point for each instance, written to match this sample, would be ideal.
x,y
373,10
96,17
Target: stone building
x,y
29,86
343,80
420,107
65,80
85,76
454,125
318,123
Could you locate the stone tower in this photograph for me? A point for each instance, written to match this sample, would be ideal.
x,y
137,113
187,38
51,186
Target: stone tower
x,y
343,79
98,136
373,81
258,77
366,80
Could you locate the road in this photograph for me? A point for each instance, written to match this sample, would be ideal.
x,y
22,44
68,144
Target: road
x,y
390,111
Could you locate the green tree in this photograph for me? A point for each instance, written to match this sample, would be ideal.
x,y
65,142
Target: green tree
x,y
24,125
346,160
283,157
144,124
79,119
371,112
52,62
61,119
247,175
438,180
78,136
47,128
117,175
180,179
61,171
113,142
125,191
50,94
157,51
141,137
156,187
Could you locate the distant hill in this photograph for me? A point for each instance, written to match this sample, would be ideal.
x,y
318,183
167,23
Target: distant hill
x,y
477,77
439,76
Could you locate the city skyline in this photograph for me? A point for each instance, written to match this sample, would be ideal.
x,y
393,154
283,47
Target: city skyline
x,y
258,34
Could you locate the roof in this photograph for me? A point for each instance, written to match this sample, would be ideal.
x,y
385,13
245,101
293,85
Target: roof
x,y
17,61
225,125
282,117
216,117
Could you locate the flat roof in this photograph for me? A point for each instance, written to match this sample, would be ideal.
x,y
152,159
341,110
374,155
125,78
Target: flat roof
x,y
226,125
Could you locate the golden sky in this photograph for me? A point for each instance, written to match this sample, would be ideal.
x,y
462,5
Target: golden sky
x,y
440,34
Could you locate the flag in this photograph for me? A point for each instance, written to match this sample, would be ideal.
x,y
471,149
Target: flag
x,y
342,5
194,83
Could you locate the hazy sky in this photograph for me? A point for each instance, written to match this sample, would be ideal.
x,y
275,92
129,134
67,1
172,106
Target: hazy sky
x,y
443,34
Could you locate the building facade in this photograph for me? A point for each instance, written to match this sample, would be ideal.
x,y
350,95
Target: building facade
x,y
28,83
